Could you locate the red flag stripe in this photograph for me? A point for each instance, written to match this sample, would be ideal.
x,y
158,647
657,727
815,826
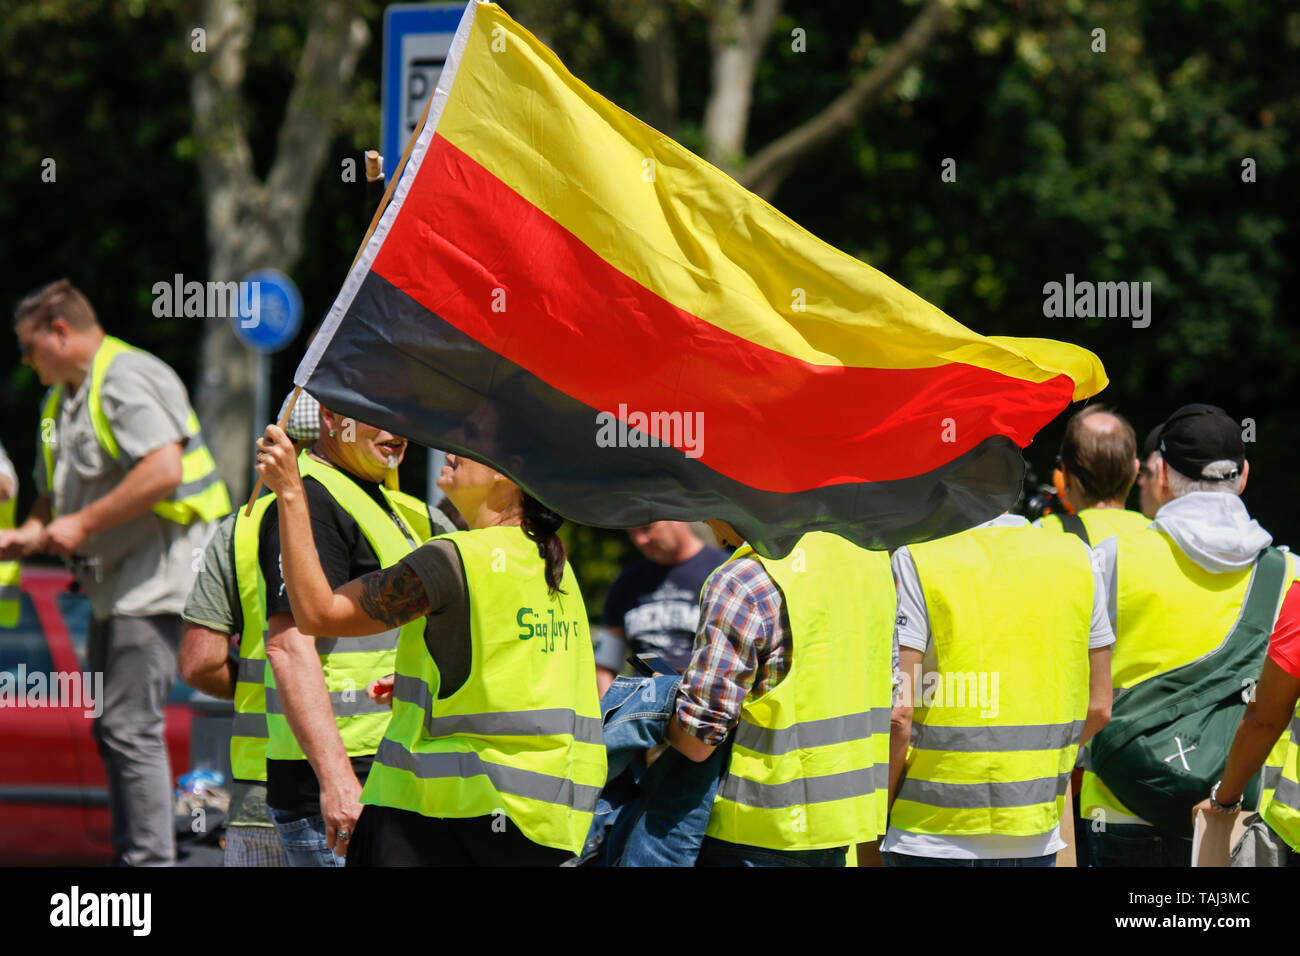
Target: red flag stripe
x,y
576,322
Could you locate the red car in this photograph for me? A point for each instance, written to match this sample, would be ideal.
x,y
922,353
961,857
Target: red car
x,y
53,791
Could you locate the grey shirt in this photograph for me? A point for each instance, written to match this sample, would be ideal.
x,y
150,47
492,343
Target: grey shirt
x,y
214,600
145,565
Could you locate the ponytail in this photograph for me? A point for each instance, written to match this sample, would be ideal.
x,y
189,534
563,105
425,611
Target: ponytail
x,y
541,524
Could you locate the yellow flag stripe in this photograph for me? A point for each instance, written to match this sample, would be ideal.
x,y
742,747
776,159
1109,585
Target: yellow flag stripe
x,y
690,234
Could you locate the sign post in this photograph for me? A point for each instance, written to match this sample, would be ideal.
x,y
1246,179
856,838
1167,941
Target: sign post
x,y
268,326
417,37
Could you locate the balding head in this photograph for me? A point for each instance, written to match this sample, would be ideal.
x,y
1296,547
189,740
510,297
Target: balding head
x,y
1099,458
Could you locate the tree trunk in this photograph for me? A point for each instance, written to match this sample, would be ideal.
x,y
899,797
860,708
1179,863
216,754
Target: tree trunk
x,y
253,224
737,37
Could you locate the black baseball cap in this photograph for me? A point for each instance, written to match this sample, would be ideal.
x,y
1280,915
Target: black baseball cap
x,y
1196,435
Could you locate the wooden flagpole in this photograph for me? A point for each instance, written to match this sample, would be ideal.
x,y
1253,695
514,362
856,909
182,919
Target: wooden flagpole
x,y
374,222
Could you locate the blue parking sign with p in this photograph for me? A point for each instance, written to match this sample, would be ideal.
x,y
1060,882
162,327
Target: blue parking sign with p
x,y
417,37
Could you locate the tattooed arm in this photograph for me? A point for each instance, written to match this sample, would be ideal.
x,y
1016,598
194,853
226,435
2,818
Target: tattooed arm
x,y
392,595
367,605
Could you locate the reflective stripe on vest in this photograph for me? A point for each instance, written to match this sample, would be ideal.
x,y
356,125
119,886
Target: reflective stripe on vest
x,y
1010,610
201,494
555,721
383,641
1002,738
809,765
812,733
1283,810
352,702
523,733
11,573
464,765
252,671
1272,773
250,726
1172,612
985,794
349,663
248,736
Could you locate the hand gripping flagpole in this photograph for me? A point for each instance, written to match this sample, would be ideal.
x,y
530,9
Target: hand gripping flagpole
x,y
374,221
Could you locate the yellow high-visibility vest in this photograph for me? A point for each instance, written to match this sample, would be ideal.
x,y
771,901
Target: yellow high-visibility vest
x,y
809,765
523,734
1282,811
201,495
350,663
248,736
997,727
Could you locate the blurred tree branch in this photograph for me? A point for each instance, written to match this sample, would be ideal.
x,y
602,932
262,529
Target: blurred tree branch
x,y
737,36
775,161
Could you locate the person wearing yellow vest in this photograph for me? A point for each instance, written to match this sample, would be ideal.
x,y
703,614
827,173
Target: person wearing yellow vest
x,y
322,730
494,754
1098,465
10,571
1181,585
796,656
1098,462
1004,653
214,613
127,489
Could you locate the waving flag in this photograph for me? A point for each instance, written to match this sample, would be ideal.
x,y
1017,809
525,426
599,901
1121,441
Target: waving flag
x,y
565,293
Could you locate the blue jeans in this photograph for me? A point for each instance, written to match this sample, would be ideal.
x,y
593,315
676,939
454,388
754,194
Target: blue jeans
x,y
656,815
906,859
721,853
303,839
1131,844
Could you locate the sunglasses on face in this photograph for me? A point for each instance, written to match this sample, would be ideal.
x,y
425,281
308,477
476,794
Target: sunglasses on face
x,y
25,348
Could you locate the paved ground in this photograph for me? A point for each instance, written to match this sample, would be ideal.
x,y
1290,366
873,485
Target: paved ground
x,y
189,854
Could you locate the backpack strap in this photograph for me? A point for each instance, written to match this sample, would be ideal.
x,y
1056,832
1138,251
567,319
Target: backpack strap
x,y
1205,681
1073,524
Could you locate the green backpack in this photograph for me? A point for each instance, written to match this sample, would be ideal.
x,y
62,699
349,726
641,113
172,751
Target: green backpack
x,y
1169,736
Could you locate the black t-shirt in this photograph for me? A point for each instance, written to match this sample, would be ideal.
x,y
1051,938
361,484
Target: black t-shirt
x,y
658,606
344,554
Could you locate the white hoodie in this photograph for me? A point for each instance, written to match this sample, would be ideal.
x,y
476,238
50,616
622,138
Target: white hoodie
x,y
1214,529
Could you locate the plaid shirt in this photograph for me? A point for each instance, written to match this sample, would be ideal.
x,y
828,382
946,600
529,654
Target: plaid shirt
x,y
743,644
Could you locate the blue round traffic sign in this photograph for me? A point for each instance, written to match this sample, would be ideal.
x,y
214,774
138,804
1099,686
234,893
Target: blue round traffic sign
x,y
270,310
